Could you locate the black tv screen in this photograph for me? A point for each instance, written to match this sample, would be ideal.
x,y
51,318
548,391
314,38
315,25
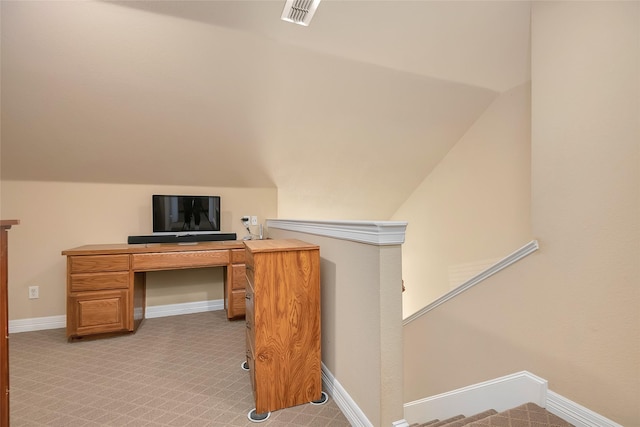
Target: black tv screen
x,y
186,214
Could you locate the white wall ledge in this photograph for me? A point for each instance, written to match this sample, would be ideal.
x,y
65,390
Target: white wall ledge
x,y
512,258
381,233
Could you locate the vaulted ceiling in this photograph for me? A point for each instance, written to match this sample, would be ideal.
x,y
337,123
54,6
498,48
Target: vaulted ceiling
x,y
345,117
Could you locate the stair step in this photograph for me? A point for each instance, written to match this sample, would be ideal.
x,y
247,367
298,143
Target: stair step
x,y
463,422
456,421
527,415
428,423
447,421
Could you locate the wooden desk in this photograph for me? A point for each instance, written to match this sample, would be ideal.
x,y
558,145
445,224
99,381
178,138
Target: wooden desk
x,y
106,284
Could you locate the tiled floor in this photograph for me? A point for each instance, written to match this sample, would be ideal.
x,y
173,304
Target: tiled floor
x,y
174,371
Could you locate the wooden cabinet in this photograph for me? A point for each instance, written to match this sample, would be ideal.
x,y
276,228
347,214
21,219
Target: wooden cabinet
x,y
4,321
99,312
99,289
283,323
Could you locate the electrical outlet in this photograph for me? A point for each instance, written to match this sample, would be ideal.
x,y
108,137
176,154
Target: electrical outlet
x,y
254,220
34,292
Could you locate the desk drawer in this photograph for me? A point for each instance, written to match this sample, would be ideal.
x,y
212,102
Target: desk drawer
x,y
98,263
99,281
177,260
239,277
237,304
237,256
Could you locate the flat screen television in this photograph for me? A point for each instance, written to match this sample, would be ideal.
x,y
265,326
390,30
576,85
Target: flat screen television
x,y
177,214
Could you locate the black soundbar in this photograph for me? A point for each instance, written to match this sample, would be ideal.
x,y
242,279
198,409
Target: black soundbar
x,y
174,238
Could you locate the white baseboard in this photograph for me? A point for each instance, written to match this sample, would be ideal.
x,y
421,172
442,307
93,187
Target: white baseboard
x,y
347,405
57,322
576,414
37,324
183,308
500,394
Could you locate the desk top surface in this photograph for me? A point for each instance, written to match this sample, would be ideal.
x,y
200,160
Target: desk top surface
x,y
279,245
124,248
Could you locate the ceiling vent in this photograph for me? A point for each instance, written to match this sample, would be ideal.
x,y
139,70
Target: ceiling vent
x,y
299,11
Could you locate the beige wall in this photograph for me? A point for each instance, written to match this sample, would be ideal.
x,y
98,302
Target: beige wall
x,y
474,208
251,101
570,312
55,216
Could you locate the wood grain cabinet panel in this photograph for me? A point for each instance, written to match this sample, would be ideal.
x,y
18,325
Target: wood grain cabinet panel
x,y
239,280
4,320
237,256
177,260
98,263
249,319
283,323
235,284
99,312
99,281
98,294
236,304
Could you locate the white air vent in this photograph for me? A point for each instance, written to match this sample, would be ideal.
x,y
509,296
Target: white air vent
x,y
299,11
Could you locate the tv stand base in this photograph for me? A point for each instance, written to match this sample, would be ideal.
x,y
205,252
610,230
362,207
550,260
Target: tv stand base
x,y
177,238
